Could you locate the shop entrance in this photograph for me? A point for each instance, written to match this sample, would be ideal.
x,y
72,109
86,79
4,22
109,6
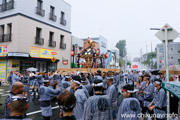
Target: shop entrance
x,y
41,66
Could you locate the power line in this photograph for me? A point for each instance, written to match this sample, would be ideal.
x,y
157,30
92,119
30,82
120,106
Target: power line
x,y
141,42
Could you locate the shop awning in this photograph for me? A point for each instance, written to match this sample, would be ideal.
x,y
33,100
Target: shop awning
x,y
172,87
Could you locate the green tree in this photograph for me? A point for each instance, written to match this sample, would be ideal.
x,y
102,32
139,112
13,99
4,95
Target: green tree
x,y
121,45
128,63
150,56
121,62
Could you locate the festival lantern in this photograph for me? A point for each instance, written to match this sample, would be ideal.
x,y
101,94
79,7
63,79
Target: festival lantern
x,y
97,52
72,53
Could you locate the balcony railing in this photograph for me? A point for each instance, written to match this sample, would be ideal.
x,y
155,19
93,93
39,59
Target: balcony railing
x,y
62,21
62,46
1,38
52,43
52,17
40,11
5,38
39,41
7,6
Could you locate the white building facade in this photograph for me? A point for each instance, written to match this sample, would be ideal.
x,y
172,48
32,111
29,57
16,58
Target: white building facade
x,y
173,51
32,32
113,58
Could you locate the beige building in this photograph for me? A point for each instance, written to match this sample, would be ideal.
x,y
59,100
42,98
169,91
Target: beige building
x,y
33,36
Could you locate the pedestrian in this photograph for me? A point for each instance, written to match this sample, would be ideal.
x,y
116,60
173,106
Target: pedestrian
x,y
18,107
67,102
86,84
80,95
141,86
163,78
98,107
130,106
17,88
16,77
66,82
159,102
46,94
148,95
0,82
9,79
25,80
112,94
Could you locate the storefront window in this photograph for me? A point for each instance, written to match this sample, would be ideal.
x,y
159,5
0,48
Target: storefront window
x,y
25,64
52,67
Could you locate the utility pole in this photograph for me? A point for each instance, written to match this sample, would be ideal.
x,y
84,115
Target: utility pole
x,y
167,34
151,57
146,48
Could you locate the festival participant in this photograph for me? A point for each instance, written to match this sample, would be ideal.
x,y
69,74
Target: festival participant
x,y
112,94
18,107
25,80
67,102
159,102
98,107
140,86
130,106
148,95
46,94
80,95
17,88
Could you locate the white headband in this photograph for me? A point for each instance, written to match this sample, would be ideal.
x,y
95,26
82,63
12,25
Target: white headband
x,y
76,82
157,82
130,91
98,85
108,78
45,80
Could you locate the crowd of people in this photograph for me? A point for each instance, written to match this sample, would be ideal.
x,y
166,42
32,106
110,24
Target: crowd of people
x,y
89,96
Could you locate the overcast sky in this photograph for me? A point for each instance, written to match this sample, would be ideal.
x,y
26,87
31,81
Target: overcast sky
x,y
124,19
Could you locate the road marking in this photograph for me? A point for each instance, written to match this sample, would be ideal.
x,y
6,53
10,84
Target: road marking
x,y
8,91
31,113
1,89
1,93
5,95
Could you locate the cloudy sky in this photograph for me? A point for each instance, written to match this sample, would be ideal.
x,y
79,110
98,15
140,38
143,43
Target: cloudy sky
x,y
124,19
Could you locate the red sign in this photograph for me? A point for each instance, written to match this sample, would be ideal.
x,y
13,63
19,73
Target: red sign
x,y
72,52
135,66
65,62
106,55
54,53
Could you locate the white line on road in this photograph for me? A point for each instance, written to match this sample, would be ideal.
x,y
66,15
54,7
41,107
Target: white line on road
x,y
5,95
1,89
31,113
8,91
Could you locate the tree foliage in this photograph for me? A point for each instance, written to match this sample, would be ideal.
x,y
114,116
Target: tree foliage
x,y
121,62
150,56
121,45
128,63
